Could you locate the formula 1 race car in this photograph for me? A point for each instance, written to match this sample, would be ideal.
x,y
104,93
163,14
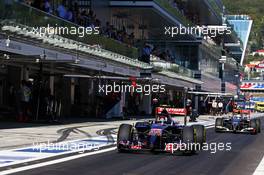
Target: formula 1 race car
x,y
239,122
157,135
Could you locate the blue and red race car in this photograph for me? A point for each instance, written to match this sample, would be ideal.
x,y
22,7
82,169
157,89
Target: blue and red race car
x,y
239,122
161,134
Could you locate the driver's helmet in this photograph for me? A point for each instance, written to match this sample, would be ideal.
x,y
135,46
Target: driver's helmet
x,y
163,117
237,116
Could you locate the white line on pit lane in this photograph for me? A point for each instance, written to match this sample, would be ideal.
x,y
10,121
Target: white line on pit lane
x,y
210,126
38,155
260,169
55,161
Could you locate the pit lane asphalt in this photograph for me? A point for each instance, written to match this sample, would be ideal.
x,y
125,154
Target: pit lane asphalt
x,y
246,153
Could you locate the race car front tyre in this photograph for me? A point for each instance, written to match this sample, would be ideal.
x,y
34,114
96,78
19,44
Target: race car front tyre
x,y
188,138
253,124
258,122
218,122
124,134
200,135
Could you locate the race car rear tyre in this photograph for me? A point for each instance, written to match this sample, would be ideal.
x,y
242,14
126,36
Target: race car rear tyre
x,y
253,124
258,122
124,134
200,134
188,138
218,122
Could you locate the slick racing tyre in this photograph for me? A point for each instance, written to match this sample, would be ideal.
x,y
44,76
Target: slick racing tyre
x,y
124,134
200,134
253,124
218,122
258,122
188,138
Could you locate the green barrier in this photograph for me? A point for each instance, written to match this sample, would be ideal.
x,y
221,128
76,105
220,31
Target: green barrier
x,y
166,5
175,68
31,17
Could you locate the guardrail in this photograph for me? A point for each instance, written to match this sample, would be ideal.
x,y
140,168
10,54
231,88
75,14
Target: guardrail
x,y
160,65
32,17
22,31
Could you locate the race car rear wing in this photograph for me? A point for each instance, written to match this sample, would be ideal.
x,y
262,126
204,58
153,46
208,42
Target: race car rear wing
x,y
242,111
172,111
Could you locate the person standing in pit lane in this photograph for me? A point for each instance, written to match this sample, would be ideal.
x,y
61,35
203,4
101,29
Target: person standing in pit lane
x,y
220,108
214,107
227,108
25,96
